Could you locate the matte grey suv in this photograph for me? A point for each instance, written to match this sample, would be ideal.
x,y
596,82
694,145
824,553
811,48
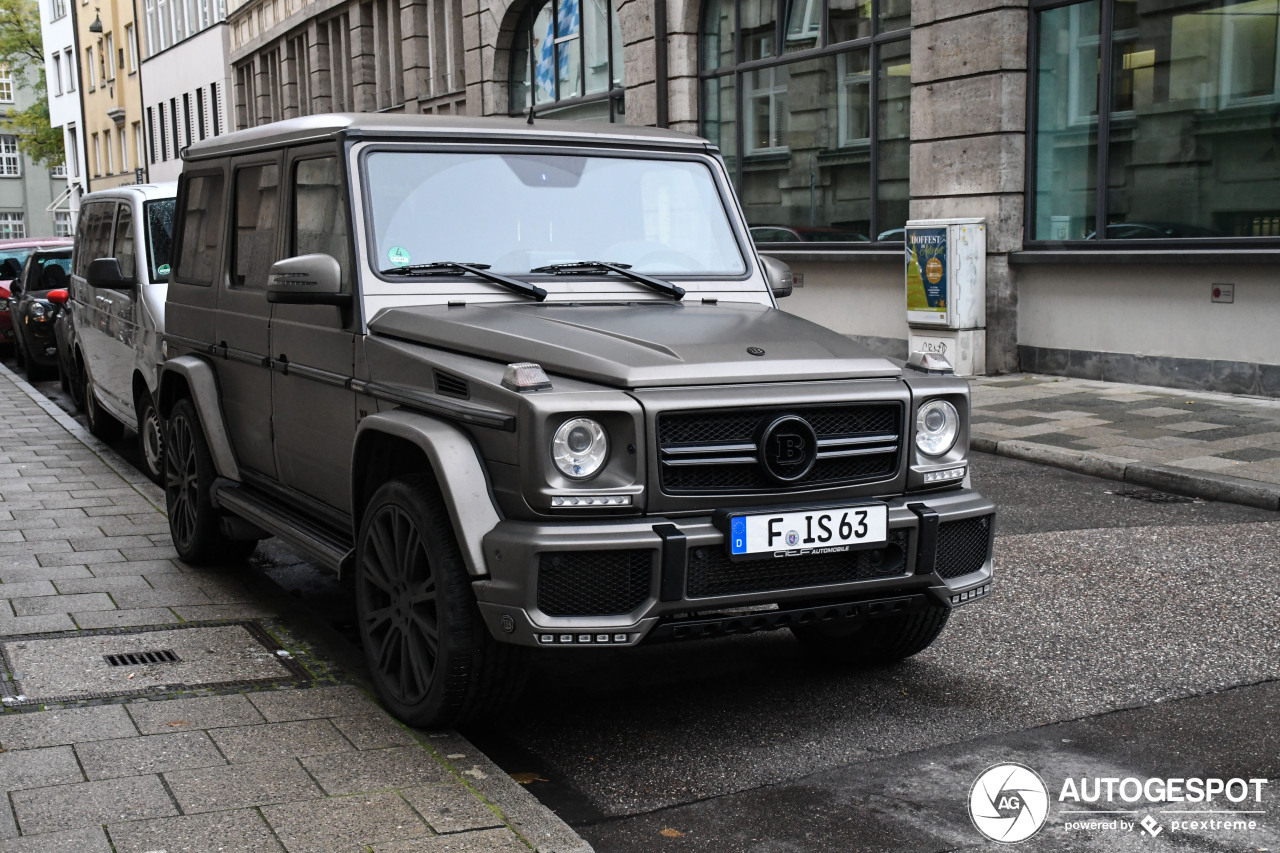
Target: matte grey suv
x,y
530,387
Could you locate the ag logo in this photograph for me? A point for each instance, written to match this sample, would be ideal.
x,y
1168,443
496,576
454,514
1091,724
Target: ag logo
x,y
1009,803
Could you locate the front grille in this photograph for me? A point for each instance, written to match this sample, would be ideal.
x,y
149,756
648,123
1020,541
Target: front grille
x,y
717,452
593,583
711,572
963,546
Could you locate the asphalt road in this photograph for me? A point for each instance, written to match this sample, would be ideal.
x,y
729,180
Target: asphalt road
x,y
1125,638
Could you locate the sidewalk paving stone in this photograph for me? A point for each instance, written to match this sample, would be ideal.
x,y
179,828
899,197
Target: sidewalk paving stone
x,y
205,712
373,770
373,731
237,786
90,803
241,831
280,740
449,809
93,620
112,759
341,823
60,726
285,705
89,839
38,768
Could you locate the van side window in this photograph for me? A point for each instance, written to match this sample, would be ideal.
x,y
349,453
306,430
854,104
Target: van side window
x,y
320,221
257,200
95,235
124,241
201,229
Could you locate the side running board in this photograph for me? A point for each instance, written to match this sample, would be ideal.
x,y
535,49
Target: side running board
x,y
322,545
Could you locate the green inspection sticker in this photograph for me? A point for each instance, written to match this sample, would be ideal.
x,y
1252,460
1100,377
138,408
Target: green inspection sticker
x,y
398,256
163,269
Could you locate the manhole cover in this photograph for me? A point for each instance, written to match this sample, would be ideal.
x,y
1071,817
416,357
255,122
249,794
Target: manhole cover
x,y
1152,496
90,665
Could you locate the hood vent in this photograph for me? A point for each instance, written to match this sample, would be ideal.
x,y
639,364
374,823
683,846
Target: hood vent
x,y
448,385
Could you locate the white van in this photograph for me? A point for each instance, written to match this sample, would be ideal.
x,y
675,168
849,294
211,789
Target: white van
x,y
119,277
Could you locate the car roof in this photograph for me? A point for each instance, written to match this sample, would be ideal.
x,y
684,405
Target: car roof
x,y
333,126
165,189
34,242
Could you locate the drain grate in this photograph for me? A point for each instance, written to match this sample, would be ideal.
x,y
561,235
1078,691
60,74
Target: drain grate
x,y
139,658
1152,496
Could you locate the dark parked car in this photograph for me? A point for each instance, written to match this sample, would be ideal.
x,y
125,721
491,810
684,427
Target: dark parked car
x,y
13,254
32,313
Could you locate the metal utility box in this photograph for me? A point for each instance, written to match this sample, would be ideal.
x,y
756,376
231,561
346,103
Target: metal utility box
x,y
946,288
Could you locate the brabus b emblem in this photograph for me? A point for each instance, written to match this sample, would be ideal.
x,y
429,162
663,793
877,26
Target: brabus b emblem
x,y
788,447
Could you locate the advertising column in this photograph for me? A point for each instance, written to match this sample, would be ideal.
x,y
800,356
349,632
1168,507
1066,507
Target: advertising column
x,y
947,290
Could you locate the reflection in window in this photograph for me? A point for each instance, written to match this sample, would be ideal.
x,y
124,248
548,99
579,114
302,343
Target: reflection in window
x,y
566,61
823,125
1190,107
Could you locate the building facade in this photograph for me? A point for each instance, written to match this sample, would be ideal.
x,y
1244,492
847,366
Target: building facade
x,y
110,61
184,79
27,191
62,78
1123,154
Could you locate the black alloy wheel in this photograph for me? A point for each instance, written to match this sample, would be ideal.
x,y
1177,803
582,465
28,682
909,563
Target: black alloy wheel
x,y
432,659
194,522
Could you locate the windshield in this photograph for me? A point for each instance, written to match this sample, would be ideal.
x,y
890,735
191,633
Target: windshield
x,y
515,212
159,236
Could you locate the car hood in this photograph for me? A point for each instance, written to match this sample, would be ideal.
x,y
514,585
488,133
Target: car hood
x,y
635,345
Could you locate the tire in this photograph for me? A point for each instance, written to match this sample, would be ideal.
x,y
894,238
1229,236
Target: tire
x,y
431,657
76,380
63,380
101,423
875,642
194,522
150,438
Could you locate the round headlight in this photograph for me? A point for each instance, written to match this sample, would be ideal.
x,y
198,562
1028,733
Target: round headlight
x,y
937,425
37,310
580,448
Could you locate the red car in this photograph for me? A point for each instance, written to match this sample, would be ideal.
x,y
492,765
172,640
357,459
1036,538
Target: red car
x,y
17,250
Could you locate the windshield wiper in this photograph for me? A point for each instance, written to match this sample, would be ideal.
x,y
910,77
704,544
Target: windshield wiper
x,y
572,267
479,270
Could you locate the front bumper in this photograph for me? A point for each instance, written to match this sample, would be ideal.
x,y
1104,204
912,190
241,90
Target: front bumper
x,y
591,583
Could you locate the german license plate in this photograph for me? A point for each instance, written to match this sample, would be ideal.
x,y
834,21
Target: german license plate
x,y
816,531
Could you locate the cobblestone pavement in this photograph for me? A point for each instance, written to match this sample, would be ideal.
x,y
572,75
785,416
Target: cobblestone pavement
x,y
263,746
1213,446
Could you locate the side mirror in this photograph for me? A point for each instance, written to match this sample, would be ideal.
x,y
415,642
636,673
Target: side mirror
x,y
778,275
105,272
307,280
57,297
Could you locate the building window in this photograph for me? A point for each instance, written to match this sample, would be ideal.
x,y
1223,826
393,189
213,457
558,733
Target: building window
x,y
93,83
97,157
131,36
10,159
12,225
58,171
139,145
124,151
213,106
71,69
62,223
59,9
57,73
200,111
566,61
164,135
1156,120
109,58
6,85
106,144
809,102
73,149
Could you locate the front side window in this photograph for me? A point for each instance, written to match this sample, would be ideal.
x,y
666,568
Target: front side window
x,y
1160,126
125,252
566,61
664,217
809,102
320,217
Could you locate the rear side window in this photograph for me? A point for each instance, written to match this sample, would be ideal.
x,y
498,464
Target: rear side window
x,y
320,220
201,229
257,203
159,216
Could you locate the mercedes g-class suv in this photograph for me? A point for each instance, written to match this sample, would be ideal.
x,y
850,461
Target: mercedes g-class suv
x,y
529,386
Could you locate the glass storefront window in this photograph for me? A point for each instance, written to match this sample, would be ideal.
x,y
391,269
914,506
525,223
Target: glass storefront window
x,y
1190,106
822,122
568,50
